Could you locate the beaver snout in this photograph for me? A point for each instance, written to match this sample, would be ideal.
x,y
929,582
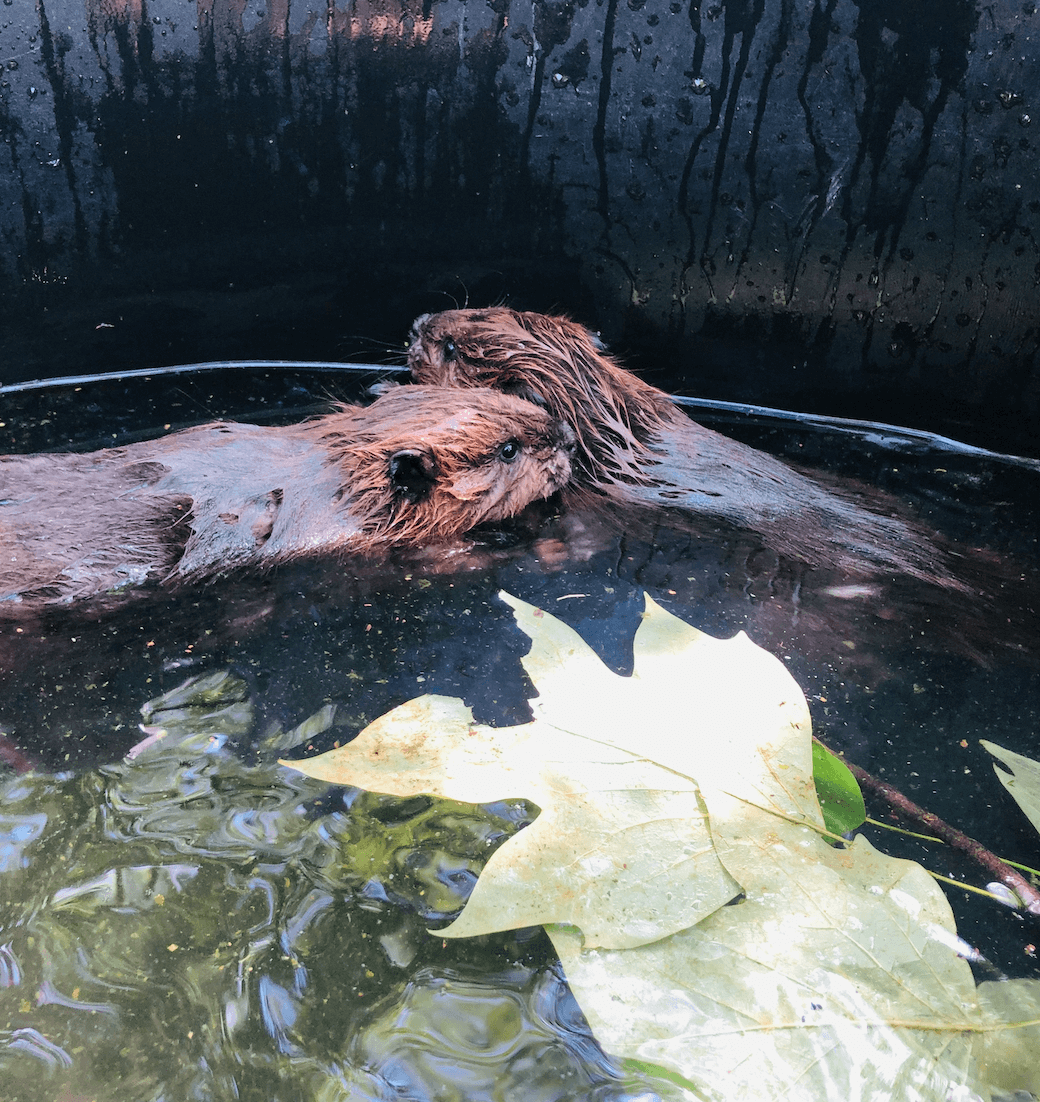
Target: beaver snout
x,y
417,328
564,437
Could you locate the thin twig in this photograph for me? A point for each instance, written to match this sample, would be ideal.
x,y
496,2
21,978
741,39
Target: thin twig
x,y
951,835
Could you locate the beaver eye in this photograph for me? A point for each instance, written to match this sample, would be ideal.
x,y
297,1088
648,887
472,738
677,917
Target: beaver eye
x,y
448,349
509,451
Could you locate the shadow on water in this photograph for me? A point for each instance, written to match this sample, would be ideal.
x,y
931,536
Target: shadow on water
x,y
198,921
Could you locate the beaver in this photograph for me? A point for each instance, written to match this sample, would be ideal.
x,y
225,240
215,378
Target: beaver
x,y
637,449
419,466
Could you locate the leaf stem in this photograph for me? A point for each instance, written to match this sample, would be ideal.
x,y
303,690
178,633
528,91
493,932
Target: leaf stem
x,y
644,1067
1024,868
962,884
899,830
912,812
932,838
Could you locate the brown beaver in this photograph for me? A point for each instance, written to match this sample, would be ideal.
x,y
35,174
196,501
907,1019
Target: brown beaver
x,y
635,447
420,466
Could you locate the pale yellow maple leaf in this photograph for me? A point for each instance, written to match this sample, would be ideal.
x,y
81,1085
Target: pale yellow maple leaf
x,y
621,848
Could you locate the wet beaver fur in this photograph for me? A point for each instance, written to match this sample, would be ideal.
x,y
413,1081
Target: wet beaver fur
x,y
420,466
636,448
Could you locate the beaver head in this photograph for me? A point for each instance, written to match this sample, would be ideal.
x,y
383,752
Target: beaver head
x,y
428,463
556,363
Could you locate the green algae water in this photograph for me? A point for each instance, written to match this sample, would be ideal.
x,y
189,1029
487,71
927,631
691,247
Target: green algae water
x,y
182,925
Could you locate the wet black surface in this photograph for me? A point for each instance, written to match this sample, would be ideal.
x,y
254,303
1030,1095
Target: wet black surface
x,y
827,207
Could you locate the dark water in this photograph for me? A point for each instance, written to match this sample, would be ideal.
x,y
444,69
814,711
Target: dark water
x,y
199,922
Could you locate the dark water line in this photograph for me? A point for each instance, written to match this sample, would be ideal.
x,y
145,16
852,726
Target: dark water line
x,y
599,127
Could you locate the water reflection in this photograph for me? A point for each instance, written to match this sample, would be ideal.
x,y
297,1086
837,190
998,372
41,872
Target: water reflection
x,y
184,925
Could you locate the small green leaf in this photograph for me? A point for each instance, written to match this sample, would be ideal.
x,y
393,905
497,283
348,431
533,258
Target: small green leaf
x,y
838,792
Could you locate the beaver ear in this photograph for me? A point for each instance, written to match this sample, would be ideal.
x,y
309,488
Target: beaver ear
x,y
413,473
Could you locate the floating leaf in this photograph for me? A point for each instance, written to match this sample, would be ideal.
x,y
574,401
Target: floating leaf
x,y
838,792
1023,782
831,979
614,830
1009,1055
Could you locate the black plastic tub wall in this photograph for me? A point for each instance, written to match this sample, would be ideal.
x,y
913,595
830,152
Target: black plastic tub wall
x,y
830,205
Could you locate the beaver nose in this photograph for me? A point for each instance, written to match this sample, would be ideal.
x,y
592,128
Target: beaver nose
x,y
417,327
565,438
